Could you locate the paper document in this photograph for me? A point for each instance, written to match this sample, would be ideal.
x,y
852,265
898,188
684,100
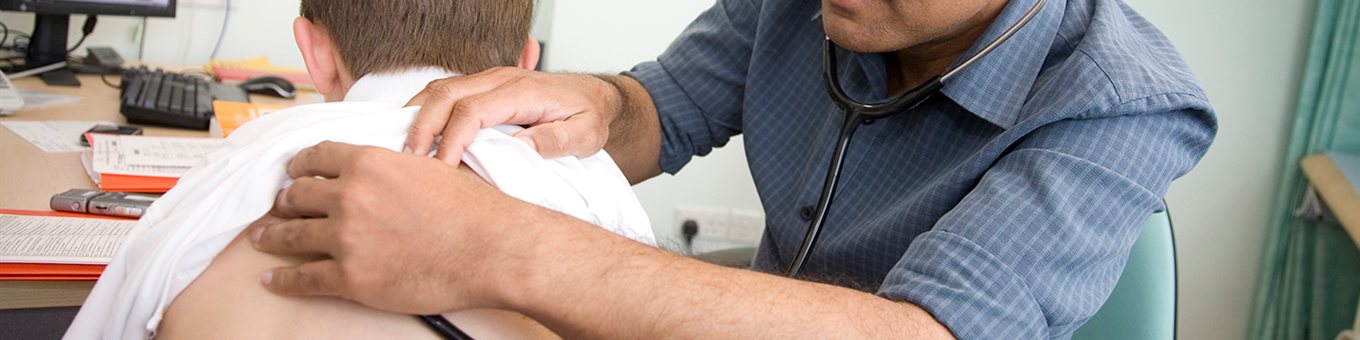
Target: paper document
x,y
43,239
54,135
35,98
149,156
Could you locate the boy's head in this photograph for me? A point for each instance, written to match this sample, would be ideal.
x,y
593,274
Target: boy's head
x,y
343,40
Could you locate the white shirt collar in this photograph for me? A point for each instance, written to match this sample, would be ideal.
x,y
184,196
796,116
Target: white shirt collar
x,y
397,86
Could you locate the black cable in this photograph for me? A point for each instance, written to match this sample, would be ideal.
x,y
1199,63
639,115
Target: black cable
x,y
85,31
105,78
6,38
78,43
443,327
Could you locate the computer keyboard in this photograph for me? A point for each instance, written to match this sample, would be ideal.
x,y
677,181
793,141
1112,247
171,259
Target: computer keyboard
x,y
156,97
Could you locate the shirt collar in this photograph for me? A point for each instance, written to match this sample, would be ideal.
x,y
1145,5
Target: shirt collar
x,y
997,86
397,86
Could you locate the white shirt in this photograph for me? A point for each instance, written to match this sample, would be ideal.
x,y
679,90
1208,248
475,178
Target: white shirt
x,y
182,232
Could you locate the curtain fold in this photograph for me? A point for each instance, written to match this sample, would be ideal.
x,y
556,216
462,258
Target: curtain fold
x,y
1310,277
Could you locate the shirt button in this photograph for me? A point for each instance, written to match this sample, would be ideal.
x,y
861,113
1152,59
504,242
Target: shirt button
x,y
805,213
868,122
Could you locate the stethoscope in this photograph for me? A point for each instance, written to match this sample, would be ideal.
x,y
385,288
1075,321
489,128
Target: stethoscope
x,y
857,112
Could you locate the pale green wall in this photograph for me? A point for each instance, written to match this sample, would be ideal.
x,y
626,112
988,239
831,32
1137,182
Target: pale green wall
x,y
586,36
1249,56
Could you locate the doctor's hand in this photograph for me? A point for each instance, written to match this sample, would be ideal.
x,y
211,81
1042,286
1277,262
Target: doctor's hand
x,y
566,114
392,231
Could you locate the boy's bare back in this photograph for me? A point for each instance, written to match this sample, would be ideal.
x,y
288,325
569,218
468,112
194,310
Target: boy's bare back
x,y
228,302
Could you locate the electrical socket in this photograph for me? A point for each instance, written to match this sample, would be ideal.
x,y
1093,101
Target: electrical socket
x,y
738,227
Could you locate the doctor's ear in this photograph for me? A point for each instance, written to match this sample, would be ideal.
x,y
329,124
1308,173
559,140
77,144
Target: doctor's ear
x,y
528,59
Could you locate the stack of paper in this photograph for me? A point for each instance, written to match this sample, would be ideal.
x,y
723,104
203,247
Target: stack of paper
x,y
50,272
144,163
52,246
243,69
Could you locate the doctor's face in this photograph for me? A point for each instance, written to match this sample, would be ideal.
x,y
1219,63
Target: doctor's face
x,y
870,26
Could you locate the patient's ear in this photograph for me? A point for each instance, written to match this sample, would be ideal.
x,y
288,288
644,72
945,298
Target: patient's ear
x,y
320,55
529,58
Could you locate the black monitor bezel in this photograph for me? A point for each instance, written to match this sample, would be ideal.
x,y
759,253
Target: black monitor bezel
x,y
75,7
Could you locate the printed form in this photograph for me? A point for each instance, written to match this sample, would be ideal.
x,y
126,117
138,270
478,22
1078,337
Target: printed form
x,y
46,239
149,156
53,136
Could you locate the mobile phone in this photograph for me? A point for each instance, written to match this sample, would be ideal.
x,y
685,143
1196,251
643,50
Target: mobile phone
x,y
88,201
111,130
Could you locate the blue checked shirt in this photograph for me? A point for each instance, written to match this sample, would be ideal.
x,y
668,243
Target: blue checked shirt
x,y
1006,206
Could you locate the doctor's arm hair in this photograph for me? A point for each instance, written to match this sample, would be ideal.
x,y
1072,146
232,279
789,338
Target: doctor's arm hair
x,y
634,129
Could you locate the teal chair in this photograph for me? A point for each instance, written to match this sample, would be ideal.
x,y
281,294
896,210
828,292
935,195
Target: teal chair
x,y
1143,304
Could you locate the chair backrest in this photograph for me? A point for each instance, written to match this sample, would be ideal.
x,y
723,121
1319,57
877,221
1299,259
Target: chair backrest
x,y
1143,304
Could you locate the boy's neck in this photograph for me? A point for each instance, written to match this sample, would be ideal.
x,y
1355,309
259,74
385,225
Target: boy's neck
x,y
398,86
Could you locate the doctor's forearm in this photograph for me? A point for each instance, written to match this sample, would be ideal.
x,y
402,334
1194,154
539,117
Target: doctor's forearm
x,y
583,282
635,133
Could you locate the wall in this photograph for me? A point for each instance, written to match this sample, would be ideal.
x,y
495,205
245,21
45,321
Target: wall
x,y
256,28
1249,55
587,36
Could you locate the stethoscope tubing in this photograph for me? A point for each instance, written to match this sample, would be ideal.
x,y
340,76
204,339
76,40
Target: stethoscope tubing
x,y
857,113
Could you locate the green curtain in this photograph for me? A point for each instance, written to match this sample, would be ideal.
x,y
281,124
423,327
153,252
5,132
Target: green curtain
x,y
1310,278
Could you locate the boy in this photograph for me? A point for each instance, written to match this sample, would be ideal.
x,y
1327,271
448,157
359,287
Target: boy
x,y
188,271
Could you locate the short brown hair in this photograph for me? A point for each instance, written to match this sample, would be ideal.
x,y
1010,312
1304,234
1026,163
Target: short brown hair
x,y
465,36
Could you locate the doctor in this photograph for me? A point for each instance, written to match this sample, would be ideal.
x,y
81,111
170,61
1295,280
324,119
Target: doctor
x,y
1003,206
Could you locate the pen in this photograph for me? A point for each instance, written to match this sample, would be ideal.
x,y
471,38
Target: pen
x,y
444,328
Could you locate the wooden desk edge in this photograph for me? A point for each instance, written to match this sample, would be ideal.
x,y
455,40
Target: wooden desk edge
x,y
41,294
1336,192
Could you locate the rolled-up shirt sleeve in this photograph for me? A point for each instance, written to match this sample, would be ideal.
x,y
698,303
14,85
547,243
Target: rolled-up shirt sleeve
x,y
1038,245
698,83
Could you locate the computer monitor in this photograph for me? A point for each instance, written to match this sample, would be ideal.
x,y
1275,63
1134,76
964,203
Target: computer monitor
x,y
47,44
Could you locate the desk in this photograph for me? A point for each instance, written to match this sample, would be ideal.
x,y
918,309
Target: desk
x,y
29,176
1339,194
